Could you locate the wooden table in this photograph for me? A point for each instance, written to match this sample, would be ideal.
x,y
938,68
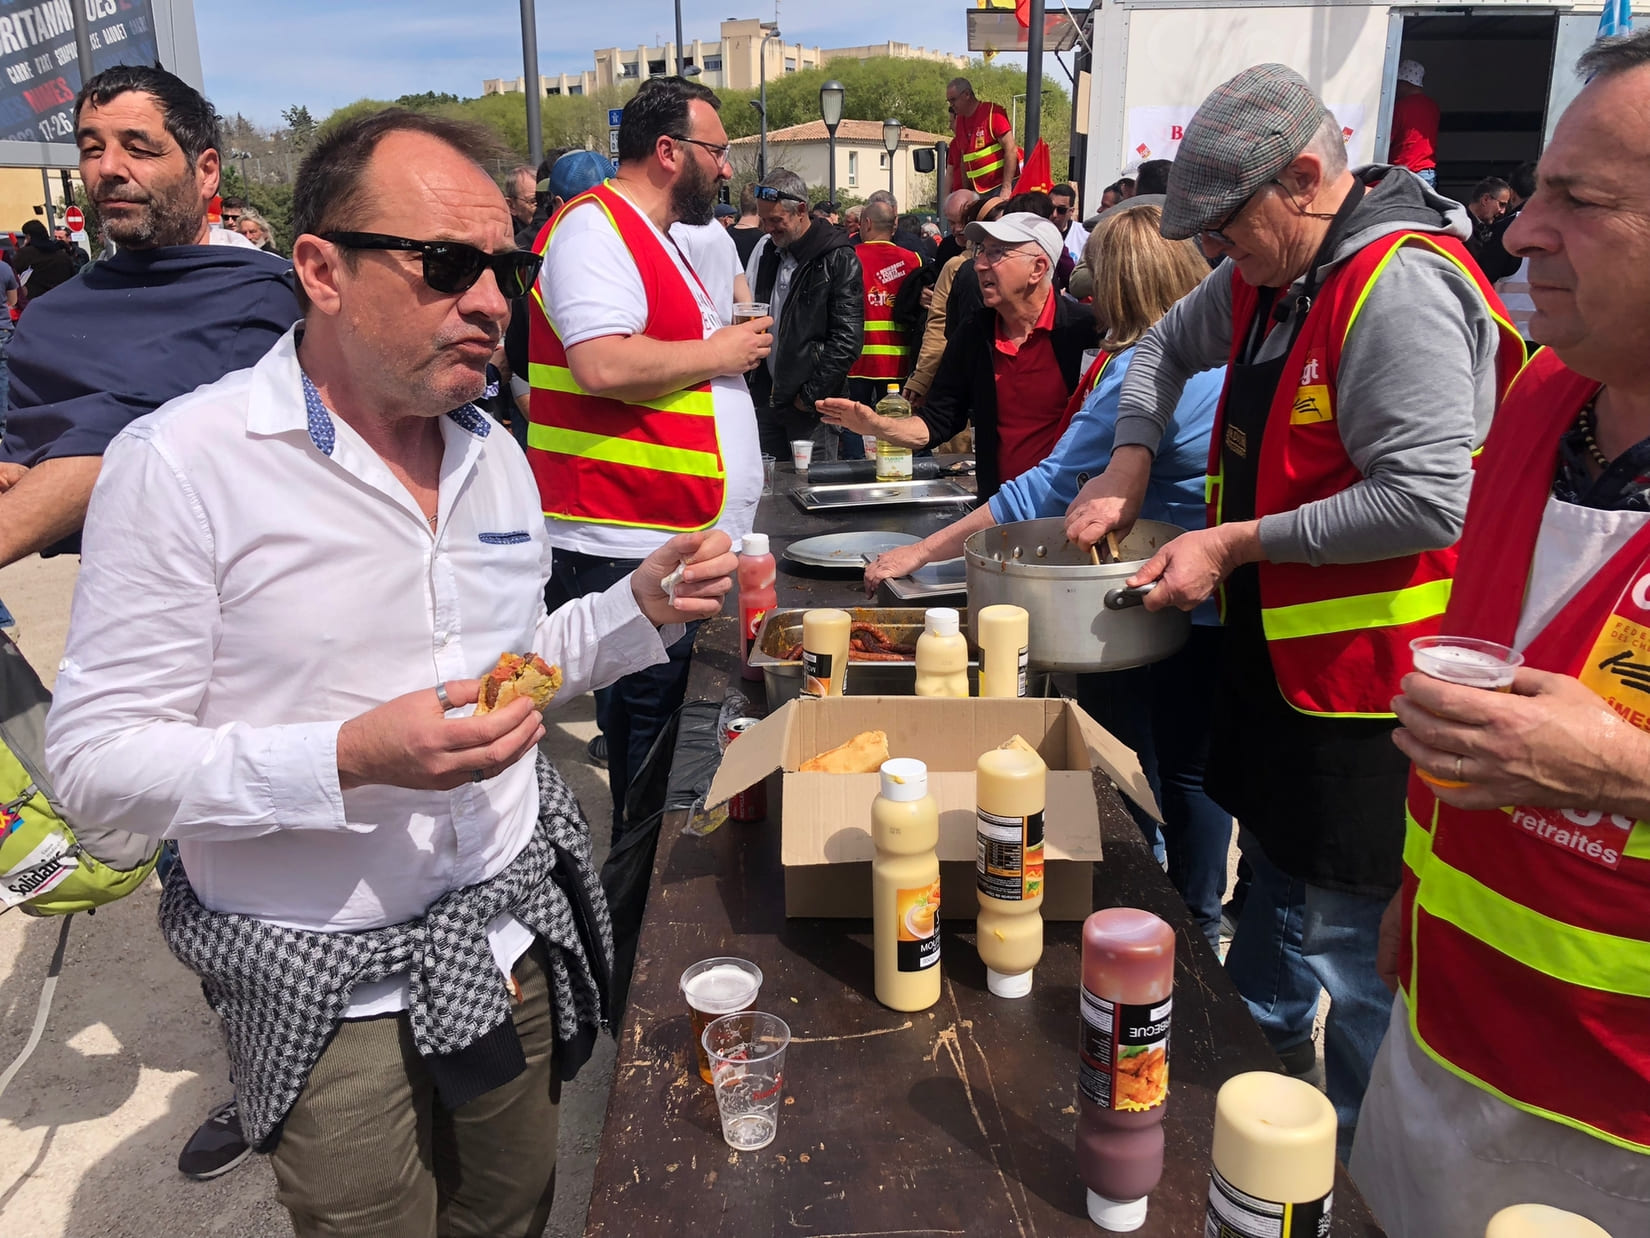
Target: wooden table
x,y
957,1120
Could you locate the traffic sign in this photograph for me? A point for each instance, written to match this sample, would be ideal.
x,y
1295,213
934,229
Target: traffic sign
x,y
614,116
613,143
75,218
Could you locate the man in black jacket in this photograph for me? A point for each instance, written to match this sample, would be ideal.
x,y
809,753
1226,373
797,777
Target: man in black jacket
x,y
808,274
1010,367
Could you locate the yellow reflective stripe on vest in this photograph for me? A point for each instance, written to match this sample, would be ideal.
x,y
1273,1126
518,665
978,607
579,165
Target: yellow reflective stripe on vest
x,y
1638,842
560,378
1366,610
885,350
614,450
1568,954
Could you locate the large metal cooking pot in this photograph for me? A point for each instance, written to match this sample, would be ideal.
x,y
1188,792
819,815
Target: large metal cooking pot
x,y
1083,618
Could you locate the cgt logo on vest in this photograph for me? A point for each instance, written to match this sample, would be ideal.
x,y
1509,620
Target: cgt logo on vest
x,y
1312,400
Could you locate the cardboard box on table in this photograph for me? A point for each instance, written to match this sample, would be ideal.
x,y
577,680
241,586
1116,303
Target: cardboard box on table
x,y
826,818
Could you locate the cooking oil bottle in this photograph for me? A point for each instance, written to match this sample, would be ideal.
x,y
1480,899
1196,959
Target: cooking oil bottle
x,y
893,461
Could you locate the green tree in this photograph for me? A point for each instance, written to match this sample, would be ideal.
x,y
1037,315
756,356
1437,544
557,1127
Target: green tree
x,y
424,100
301,123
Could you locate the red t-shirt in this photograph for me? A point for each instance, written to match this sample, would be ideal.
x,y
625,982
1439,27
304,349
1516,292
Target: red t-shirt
x,y
988,125
1414,133
1031,396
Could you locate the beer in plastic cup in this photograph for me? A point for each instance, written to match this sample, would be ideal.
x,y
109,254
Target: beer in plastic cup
x,y
802,453
747,1066
749,311
1467,661
716,987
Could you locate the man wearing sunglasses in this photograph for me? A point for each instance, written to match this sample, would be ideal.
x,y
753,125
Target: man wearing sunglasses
x,y
641,426
295,579
1366,356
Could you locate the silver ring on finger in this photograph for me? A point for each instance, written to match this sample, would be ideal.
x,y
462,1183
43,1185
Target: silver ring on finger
x,y
441,695
1458,761
479,775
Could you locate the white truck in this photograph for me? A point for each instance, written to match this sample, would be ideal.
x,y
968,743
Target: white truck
x,y
1502,74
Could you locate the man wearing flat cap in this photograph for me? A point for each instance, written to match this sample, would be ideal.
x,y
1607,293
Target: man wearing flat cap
x,y
1366,356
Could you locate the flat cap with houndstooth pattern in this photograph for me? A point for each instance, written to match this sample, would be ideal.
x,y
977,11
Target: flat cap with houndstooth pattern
x,y
1247,131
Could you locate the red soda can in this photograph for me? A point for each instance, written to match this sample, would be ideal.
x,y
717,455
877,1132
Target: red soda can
x,y
751,804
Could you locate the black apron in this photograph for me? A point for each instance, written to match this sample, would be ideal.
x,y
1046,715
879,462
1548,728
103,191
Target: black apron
x,y
1325,796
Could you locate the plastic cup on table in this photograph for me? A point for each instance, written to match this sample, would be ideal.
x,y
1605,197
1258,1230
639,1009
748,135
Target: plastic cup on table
x,y
1467,661
770,467
747,1067
802,453
716,987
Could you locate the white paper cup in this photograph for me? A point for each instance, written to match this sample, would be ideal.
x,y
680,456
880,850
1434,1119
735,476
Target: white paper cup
x,y
802,453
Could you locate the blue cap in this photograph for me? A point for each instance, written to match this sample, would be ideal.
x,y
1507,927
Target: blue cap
x,y
577,171
724,210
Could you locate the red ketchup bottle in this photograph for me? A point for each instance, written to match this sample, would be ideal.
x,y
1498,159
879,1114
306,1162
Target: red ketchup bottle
x,y
1123,1066
756,595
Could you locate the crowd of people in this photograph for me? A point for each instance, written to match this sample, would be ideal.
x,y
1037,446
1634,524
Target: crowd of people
x,y
304,545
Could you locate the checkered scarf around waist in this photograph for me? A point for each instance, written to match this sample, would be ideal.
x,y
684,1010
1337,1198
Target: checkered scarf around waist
x,y
282,992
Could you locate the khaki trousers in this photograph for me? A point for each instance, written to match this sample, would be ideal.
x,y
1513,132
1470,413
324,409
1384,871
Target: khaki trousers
x,y
369,1151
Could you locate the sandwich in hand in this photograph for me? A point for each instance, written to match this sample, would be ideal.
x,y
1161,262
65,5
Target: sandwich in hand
x,y
518,674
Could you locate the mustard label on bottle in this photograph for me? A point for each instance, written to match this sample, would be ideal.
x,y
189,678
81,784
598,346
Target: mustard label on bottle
x,y
917,911
816,673
1123,1054
1009,858
1235,1214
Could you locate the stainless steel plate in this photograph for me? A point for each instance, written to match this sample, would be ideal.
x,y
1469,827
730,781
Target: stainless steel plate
x,y
932,580
882,494
848,551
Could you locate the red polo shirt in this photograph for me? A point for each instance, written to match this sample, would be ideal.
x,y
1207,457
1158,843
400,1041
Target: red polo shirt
x,y
1031,396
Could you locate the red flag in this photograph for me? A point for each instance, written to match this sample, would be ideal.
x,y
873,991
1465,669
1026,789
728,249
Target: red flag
x,y
1022,13
1036,173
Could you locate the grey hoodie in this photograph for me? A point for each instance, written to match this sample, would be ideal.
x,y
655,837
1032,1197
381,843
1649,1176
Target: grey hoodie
x,y
1414,397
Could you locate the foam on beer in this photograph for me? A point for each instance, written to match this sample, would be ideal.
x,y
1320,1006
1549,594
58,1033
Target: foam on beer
x,y
1472,668
721,990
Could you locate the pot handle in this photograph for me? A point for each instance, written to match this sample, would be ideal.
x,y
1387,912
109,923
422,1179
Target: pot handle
x,y
1122,599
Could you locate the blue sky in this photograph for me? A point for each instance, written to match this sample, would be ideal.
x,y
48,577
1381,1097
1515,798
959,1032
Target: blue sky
x,y
260,57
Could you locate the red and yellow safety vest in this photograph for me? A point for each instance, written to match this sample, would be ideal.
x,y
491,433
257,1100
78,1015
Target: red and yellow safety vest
x,y
1525,953
1339,633
886,355
655,464
981,155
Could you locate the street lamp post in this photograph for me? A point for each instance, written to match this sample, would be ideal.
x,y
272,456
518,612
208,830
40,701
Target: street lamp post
x,y
762,107
891,130
530,81
242,156
830,111
691,70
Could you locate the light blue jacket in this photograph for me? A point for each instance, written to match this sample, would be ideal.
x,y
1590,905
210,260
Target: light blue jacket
x,y
1175,492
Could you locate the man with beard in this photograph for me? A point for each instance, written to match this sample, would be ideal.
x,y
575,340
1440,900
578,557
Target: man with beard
x,y
167,314
629,355
110,346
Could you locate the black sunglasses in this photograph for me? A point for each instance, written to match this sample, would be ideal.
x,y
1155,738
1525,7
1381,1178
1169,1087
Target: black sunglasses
x,y
767,193
452,266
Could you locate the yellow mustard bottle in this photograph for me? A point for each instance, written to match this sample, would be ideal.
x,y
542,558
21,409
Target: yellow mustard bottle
x,y
1541,1221
1273,1158
825,652
1011,791
1004,635
942,654
905,888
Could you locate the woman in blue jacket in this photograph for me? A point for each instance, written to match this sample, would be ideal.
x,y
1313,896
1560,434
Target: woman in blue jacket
x,y
1159,710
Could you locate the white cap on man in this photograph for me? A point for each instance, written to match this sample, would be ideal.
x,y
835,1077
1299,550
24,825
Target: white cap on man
x,y
1412,71
1019,227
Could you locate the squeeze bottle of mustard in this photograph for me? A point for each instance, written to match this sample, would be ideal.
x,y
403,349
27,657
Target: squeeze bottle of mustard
x,y
905,888
1274,1158
1004,634
1541,1221
1010,789
825,652
942,654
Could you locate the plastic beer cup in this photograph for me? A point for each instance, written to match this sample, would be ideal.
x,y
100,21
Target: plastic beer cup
x,y
716,987
1467,661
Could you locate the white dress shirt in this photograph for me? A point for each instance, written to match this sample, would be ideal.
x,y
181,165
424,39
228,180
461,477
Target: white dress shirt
x,y
253,576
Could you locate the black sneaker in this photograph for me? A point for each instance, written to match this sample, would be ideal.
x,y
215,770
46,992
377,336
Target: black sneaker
x,y
216,1147
596,750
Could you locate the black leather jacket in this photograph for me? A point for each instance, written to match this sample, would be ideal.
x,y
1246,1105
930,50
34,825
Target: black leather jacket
x,y
822,323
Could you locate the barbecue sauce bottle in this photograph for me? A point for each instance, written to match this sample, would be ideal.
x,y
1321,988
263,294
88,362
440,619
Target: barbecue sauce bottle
x,y
905,888
1123,1062
757,596
1010,788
